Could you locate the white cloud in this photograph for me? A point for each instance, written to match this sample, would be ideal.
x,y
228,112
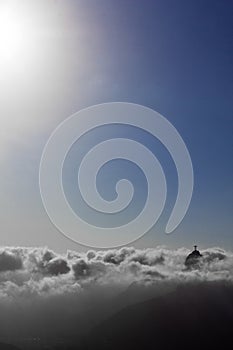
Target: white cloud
x,y
39,269
39,287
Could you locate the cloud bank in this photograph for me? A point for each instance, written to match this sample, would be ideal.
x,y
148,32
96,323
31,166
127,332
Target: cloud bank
x,y
42,272
74,291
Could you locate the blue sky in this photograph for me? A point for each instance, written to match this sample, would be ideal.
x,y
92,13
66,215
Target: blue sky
x,y
172,56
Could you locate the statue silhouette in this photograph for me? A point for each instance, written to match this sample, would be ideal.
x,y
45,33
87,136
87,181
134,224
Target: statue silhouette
x,y
193,259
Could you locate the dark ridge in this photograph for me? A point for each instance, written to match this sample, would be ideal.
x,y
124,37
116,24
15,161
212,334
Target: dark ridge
x,y
8,347
195,317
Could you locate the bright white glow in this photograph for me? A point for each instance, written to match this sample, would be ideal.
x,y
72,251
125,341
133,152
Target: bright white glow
x,y
38,52
13,35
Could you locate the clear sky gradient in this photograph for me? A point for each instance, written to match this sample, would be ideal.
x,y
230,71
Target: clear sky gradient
x,y
173,56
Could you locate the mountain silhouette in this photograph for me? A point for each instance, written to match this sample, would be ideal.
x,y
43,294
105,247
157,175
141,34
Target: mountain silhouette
x,y
193,259
4,346
191,317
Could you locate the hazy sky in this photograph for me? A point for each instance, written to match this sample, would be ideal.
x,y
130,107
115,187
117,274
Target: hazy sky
x,y
57,57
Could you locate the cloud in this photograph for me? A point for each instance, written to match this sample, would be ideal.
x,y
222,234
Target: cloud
x,y
10,261
31,268
47,263
57,266
39,287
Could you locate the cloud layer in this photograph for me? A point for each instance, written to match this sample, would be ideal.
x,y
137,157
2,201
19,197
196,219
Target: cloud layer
x,y
42,272
39,288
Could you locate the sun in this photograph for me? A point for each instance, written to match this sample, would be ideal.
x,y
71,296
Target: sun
x,y
13,35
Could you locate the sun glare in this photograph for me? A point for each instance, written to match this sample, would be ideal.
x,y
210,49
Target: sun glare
x,y
13,36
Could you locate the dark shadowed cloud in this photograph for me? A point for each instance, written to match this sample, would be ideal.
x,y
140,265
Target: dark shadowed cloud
x,y
10,261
